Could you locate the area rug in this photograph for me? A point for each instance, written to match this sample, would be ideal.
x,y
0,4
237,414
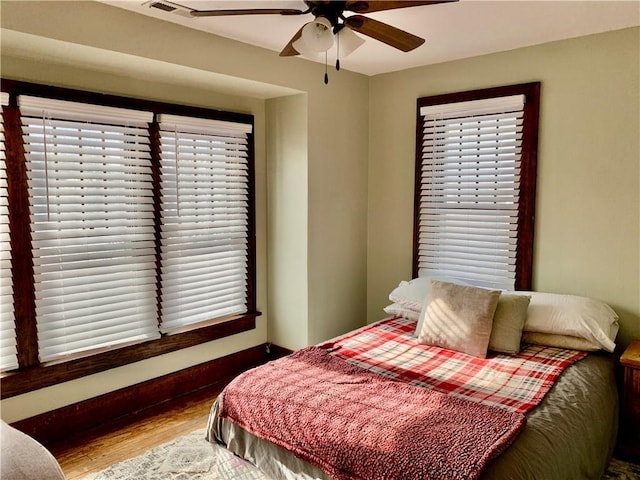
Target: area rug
x,y
191,457
619,470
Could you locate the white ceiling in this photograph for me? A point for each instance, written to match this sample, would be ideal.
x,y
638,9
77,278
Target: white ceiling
x,y
452,31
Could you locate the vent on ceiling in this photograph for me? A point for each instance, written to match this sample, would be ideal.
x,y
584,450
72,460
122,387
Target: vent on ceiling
x,y
169,7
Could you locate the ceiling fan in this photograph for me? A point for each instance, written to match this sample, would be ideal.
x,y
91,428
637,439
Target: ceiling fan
x,y
330,21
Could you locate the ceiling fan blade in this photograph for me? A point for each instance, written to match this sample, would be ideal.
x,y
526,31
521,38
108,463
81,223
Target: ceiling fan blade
x,y
383,32
247,11
288,50
363,6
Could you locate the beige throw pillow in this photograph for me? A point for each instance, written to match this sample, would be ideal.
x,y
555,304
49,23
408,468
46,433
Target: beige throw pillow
x,y
458,317
508,322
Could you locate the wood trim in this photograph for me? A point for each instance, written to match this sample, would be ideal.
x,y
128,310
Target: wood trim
x,y
251,227
131,402
44,375
154,136
528,175
21,259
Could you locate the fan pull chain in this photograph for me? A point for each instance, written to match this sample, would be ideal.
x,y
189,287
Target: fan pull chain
x,y
326,73
337,52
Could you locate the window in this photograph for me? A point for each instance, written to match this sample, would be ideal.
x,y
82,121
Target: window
x,y
205,193
92,225
475,186
140,232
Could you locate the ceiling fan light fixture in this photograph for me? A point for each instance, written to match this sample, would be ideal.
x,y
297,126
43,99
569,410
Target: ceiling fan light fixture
x,y
317,35
303,49
348,42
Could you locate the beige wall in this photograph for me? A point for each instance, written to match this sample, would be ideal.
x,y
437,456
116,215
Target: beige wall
x,y
587,239
128,54
337,172
287,277
317,218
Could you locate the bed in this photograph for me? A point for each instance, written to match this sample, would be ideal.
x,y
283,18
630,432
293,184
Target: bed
x,y
545,411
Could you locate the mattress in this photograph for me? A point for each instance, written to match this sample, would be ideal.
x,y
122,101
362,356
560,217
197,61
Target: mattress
x,y
570,434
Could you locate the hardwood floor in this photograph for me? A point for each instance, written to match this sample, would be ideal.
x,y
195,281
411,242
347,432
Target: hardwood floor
x,y
97,449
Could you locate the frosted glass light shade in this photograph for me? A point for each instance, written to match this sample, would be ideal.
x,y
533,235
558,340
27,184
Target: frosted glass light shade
x,y
348,42
303,49
317,35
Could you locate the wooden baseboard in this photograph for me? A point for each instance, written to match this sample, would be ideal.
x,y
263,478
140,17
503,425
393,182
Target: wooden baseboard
x,y
132,401
276,351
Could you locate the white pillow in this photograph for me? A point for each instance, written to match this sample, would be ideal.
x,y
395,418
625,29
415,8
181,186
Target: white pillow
x,y
398,310
572,315
411,294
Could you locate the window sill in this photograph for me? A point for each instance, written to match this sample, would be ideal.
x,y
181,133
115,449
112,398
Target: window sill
x,y
52,373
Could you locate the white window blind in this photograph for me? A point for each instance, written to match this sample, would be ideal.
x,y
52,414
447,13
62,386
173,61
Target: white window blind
x,y
205,204
469,190
8,355
92,225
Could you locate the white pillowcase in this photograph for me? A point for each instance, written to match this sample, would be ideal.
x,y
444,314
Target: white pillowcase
x,y
398,310
411,294
572,315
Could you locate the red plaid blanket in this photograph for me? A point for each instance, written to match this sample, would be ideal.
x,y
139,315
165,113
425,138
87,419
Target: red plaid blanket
x,y
355,425
517,383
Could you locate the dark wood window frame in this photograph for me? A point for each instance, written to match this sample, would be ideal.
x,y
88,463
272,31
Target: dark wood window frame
x,y
32,374
526,211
